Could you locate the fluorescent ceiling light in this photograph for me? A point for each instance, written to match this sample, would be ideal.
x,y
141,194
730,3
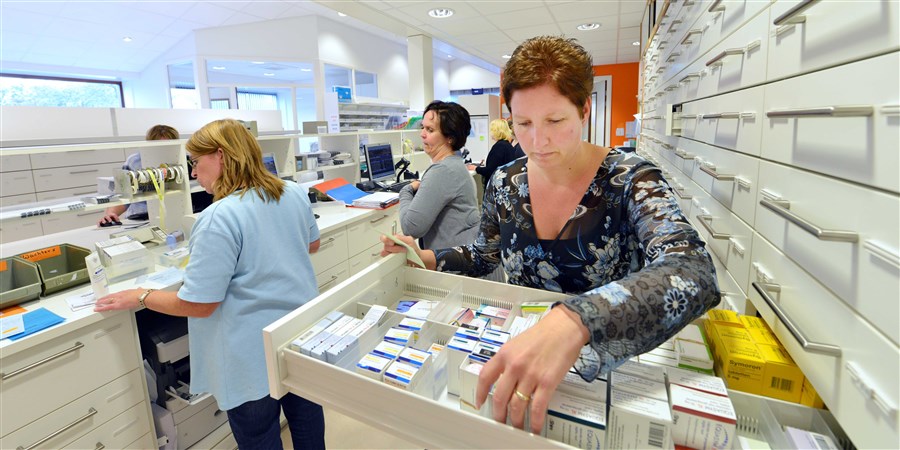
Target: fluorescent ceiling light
x,y
341,14
588,26
507,56
127,39
440,13
218,68
269,74
257,62
635,43
306,70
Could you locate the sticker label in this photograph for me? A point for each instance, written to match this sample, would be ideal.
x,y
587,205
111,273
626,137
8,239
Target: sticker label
x,y
42,254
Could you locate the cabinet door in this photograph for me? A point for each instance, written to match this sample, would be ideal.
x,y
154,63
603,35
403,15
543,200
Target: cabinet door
x,y
72,176
332,251
77,158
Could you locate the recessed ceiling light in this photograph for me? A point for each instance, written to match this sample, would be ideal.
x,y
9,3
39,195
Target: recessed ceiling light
x,y
588,26
218,68
127,39
635,43
440,13
269,74
506,56
449,56
341,14
306,70
257,62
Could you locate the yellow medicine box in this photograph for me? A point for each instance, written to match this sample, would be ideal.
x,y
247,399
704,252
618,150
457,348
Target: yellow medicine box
x,y
783,379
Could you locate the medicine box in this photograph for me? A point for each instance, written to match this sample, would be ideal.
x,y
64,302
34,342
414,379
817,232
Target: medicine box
x,y
697,381
647,371
484,351
573,384
638,386
694,356
635,421
576,421
702,421
400,336
458,349
402,375
314,342
297,343
388,350
372,366
468,379
495,337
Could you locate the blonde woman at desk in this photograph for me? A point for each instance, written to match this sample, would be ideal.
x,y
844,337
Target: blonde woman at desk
x,y
245,272
589,221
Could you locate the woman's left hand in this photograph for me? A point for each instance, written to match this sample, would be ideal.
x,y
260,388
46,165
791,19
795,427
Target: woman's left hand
x,y
415,185
127,299
532,365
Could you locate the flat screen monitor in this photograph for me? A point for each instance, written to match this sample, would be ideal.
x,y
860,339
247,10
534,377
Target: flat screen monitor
x,y
380,162
269,162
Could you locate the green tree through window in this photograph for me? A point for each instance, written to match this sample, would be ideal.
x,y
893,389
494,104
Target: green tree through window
x,y
18,90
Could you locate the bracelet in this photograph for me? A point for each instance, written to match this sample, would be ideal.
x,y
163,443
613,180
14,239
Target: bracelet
x,y
143,297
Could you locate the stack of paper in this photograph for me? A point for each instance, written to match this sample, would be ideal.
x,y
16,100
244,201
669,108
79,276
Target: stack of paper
x,y
377,200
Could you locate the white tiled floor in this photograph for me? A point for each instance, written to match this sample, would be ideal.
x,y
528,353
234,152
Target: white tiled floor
x,y
342,432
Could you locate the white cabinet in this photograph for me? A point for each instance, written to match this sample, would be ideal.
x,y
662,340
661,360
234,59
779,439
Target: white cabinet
x,y
794,175
370,115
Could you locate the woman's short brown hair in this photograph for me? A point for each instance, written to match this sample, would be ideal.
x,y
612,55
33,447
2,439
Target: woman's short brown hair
x,y
561,62
161,133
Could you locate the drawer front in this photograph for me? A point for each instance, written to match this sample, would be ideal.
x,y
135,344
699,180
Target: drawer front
x,y
727,236
863,273
365,233
857,386
69,221
72,176
364,258
726,17
16,230
332,277
199,425
733,297
831,33
78,158
332,250
739,60
732,120
731,178
118,432
15,200
78,363
17,183
144,442
80,191
13,163
87,415
858,144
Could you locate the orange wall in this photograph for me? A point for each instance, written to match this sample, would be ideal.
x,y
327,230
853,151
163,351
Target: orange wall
x,y
624,104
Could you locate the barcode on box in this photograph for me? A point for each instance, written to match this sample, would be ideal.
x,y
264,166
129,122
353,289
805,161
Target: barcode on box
x,y
657,435
822,443
782,384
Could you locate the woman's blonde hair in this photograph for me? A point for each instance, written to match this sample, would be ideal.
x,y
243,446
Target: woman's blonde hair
x,y
500,130
242,166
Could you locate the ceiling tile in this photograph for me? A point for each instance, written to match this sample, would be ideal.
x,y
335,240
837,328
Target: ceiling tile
x,y
633,33
461,27
181,28
160,43
520,34
461,10
242,6
12,55
240,18
24,21
42,8
208,14
145,22
42,58
599,35
491,37
564,12
62,27
56,46
604,53
171,9
630,20
13,41
632,6
131,67
267,10
522,18
493,8
604,60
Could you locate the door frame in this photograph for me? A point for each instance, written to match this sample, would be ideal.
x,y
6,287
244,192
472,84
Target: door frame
x,y
607,108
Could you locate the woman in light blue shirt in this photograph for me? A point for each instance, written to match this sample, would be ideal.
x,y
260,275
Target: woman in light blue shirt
x,y
249,266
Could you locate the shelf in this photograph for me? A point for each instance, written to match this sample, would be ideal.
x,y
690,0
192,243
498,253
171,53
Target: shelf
x,y
12,213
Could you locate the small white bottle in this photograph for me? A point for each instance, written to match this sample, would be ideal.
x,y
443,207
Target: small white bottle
x,y
97,273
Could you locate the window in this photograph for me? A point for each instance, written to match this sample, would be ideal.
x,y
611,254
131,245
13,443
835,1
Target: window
x,y
18,90
366,84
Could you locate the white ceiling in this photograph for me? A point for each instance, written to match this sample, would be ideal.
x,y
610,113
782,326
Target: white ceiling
x,y
70,36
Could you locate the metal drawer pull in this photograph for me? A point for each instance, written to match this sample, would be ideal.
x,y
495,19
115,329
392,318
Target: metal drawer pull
x,y
789,14
333,277
330,240
680,192
672,56
882,253
716,6
726,52
706,221
738,248
52,435
378,220
687,37
710,170
865,385
689,76
813,347
671,88
84,171
688,116
668,146
6,376
725,115
824,111
818,232
890,110
99,446
684,155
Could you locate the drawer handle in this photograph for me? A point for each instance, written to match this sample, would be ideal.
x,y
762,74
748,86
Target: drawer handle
x,y
378,220
890,110
687,37
824,111
726,52
863,384
6,376
333,277
706,221
736,247
716,6
684,155
330,240
52,435
667,146
688,116
689,76
710,170
883,253
672,56
726,115
813,347
84,171
671,88
99,446
789,15
818,232
681,193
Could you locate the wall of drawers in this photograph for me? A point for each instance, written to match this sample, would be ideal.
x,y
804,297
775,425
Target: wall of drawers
x,y
777,125
83,389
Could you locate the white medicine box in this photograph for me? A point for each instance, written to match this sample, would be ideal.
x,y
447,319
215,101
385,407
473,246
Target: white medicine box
x,y
435,420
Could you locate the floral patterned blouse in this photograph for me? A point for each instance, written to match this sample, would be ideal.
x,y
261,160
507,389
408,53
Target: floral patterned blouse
x,y
638,271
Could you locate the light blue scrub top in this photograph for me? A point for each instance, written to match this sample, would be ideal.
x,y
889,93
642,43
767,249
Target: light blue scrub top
x,y
253,257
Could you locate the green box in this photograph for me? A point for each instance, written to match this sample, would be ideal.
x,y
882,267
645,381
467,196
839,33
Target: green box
x,y
61,266
19,281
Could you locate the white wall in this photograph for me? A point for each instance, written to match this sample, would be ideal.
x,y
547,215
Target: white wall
x,y
464,75
441,79
278,40
151,88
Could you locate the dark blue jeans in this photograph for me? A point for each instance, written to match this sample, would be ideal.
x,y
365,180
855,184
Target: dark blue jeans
x,y
255,423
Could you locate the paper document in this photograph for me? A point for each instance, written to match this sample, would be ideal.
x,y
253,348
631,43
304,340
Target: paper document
x,y
11,326
78,302
411,254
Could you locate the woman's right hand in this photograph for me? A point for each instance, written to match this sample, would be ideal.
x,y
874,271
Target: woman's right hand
x,y
391,247
109,217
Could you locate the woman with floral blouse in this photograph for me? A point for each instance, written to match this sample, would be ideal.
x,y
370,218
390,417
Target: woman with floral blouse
x,y
581,219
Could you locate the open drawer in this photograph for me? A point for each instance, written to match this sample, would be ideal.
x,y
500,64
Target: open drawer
x,y
432,423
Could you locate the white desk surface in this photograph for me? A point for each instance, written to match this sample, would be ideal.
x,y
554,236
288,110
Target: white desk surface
x,y
331,217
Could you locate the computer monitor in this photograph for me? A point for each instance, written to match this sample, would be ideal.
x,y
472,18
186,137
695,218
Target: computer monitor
x,y
269,162
380,162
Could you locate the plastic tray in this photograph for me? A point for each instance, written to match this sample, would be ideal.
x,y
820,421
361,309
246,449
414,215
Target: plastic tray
x,y
19,281
61,266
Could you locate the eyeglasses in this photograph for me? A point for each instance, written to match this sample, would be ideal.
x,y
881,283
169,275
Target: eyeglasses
x,y
193,161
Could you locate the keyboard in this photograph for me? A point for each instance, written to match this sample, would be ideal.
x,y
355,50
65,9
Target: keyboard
x,y
396,187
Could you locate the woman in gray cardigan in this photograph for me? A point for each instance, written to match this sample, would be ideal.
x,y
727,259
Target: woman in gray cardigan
x,y
441,209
